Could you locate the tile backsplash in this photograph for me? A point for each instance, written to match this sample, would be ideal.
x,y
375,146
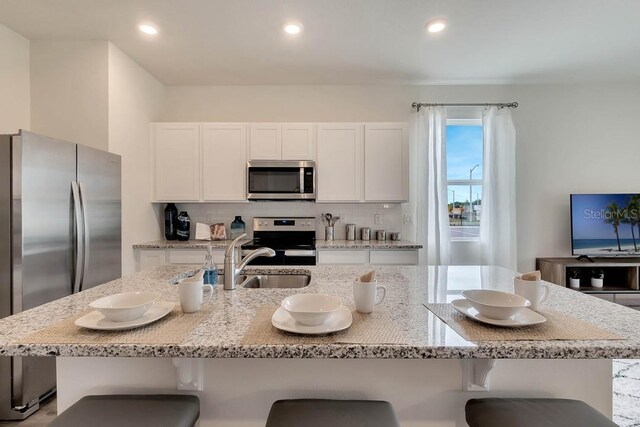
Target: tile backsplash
x,y
390,216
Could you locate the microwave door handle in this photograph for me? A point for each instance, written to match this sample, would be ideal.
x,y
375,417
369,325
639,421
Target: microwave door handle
x,y
301,180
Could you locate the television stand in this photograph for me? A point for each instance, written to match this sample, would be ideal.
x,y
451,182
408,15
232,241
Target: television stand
x,y
621,276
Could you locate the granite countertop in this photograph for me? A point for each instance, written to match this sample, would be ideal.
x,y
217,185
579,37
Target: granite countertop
x,y
408,287
366,244
320,244
188,244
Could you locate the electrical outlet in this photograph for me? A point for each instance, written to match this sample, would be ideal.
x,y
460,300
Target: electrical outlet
x,y
408,219
377,219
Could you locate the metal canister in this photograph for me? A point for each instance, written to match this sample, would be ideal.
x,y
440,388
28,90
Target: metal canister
x,y
351,232
381,235
365,233
328,232
394,236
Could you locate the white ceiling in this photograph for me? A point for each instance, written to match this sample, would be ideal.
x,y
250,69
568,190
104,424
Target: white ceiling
x,y
229,42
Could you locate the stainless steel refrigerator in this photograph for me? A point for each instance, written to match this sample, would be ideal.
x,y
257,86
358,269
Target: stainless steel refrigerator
x,y
60,233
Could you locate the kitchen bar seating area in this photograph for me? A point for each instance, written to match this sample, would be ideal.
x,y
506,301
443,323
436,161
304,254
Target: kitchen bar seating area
x,y
280,213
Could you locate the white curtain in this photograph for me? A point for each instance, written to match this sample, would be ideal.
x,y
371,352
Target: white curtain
x,y
498,214
433,215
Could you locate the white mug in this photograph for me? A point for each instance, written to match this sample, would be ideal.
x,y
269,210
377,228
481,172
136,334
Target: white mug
x,y
191,293
365,295
535,291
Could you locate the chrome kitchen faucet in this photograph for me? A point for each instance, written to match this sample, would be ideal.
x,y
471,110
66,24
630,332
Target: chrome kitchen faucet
x,y
230,271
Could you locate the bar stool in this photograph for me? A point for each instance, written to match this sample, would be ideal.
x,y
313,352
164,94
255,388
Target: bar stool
x,y
505,412
126,410
334,413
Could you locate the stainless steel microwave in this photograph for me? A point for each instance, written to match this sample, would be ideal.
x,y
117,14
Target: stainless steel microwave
x,y
281,180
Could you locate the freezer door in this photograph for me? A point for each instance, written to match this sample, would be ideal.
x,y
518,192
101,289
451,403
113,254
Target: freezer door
x,y
42,244
99,182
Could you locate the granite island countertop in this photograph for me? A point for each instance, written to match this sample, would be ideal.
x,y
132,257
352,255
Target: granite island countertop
x,y
320,244
408,287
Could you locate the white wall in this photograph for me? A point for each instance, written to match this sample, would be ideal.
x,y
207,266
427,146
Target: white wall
x,y
571,138
363,215
14,81
134,101
69,91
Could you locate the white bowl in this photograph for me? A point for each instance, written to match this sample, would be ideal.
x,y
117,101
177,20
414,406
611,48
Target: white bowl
x,y
126,306
311,309
495,304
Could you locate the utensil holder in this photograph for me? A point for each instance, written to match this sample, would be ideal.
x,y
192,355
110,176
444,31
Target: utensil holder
x,y
328,232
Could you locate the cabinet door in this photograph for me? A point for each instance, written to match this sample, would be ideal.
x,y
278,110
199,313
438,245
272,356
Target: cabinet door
x,y
298,141
265,141
339,162
394,257
150,259
386,162
224,161
348,257
176,163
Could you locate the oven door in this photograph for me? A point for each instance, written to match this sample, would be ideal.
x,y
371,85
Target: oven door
x,y
299,257
286,180
285,257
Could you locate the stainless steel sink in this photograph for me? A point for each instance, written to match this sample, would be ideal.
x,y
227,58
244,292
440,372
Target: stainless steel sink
x,y
271,281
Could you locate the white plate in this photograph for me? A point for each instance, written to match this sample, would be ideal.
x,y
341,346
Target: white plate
x,y
338,321
95,320
524,317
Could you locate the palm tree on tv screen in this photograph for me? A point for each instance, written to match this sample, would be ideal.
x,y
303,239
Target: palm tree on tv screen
x,y
613,218
631,217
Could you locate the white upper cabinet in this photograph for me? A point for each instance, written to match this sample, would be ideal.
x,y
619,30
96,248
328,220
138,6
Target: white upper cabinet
x,y
339,162
224,162
265,141
298,141
281,141
386,162
176,161
207,162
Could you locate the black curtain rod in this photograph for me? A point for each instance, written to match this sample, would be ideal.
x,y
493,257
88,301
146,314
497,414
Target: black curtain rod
x,y
419,105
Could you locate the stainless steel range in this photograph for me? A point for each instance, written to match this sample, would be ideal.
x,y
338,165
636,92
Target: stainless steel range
x,y
293,239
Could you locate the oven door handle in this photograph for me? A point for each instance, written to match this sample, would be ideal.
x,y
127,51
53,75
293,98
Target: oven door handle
x,y
293,253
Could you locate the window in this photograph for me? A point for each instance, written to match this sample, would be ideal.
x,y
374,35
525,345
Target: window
x,y
464,177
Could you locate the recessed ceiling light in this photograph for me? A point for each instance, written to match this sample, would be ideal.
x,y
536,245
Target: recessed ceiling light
x,y
436,25
292,28
148,29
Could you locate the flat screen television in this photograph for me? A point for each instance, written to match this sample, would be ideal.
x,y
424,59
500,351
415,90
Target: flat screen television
x,y
605,224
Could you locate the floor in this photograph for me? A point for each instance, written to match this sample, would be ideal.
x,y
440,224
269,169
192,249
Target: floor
x,y
41,418
626,399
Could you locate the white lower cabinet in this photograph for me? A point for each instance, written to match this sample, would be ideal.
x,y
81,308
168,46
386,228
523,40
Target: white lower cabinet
x,y
343,257
393,257
366,256
148,259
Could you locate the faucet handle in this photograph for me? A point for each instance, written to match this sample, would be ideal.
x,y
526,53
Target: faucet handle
x,y
229,252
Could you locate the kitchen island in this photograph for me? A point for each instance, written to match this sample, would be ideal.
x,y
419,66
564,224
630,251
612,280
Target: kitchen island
x,y
241,381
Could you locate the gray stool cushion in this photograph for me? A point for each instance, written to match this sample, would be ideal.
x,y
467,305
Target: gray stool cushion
x,y
162,410
493,412
331,413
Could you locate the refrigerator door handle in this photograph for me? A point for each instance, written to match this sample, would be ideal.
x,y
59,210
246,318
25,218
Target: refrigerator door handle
x,y
78,235
85,234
